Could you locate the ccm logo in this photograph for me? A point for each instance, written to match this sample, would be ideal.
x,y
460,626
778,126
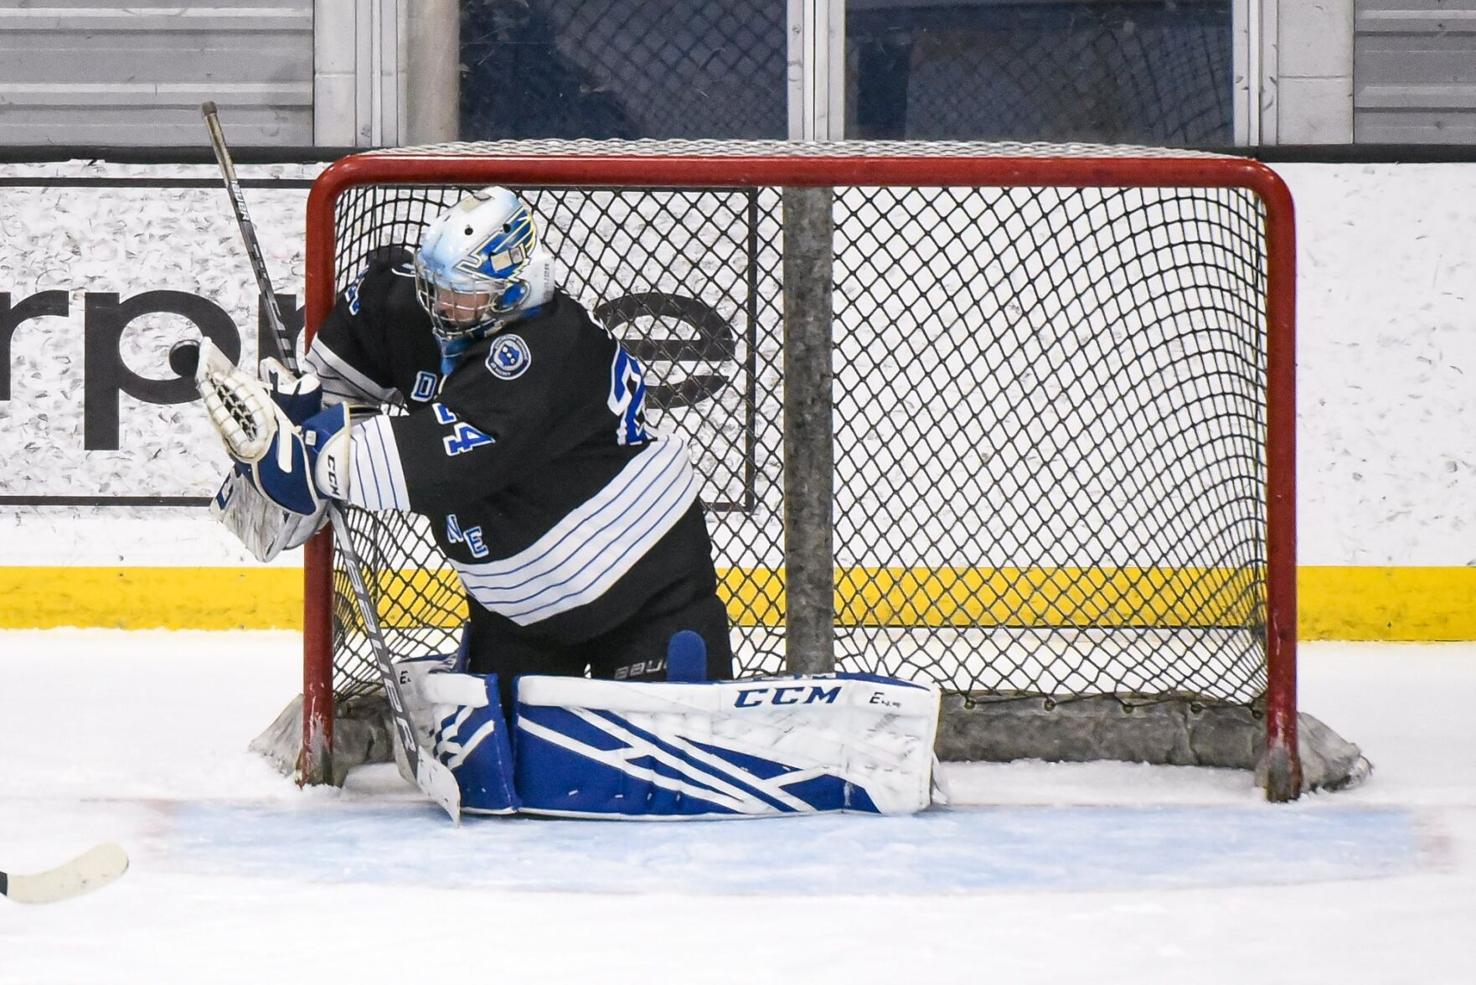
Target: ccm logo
x,y
331,480
791,694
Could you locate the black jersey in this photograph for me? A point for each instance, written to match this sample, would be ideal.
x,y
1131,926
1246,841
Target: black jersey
x,y
530,456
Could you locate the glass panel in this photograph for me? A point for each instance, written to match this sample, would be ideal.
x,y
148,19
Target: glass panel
x,y
1151,72
622,68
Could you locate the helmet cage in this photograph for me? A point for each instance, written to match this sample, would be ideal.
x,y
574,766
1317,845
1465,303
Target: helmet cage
x,y
501,297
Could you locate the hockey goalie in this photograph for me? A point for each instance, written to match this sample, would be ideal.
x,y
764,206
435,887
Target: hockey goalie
x,y
593,677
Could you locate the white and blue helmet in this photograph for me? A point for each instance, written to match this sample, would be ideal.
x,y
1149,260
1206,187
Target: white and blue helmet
x,y
480,265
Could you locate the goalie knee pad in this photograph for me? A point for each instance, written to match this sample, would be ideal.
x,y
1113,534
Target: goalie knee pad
x,y
686,658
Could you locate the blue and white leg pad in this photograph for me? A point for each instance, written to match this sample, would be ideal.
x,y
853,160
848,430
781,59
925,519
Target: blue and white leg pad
x,y
470,736
752,748
652,751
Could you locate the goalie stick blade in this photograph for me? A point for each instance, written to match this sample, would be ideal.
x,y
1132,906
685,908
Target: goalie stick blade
x,y
439,784
91,870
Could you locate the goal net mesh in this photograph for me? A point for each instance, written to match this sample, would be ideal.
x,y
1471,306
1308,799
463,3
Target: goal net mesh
x,y
1050,417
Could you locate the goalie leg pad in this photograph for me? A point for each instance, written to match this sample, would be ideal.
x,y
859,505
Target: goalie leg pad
x,y
471,738
752,748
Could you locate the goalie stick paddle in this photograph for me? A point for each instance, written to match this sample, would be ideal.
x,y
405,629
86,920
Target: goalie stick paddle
x,y
91,870
432,776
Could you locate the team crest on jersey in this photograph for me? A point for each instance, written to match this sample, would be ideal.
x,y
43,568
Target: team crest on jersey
x,y
509,357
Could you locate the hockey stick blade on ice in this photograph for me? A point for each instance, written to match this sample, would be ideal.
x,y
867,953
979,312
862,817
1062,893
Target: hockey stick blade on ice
x,y
432,776
91,870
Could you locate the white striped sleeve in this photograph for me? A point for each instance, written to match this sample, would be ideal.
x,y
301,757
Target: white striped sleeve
x,y
376,477
594,545
342,383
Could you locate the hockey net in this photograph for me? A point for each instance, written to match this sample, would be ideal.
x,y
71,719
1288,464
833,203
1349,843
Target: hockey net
x,y
1063,415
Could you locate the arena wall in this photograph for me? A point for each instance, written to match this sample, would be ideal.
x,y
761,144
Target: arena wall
x,y
107,460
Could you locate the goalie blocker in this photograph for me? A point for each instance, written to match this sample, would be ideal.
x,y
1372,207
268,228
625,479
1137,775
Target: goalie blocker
x,y
642,750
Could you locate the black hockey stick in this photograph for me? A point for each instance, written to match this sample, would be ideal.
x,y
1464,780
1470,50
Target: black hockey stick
x,y
91,870
286,352
431,776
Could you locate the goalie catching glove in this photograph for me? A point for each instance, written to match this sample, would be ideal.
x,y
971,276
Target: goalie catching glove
x,y
288,447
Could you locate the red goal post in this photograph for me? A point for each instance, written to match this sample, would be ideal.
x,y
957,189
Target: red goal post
x,y
1026,221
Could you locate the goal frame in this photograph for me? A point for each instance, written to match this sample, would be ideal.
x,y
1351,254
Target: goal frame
x,y
834,165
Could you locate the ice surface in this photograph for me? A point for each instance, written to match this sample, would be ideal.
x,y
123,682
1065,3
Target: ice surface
x,y
1038,873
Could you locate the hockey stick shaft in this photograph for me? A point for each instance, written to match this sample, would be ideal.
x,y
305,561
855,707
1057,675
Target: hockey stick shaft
x,y
286,350
433,778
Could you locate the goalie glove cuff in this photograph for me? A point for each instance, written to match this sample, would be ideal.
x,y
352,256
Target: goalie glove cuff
x,y
299,397
329,439
284,473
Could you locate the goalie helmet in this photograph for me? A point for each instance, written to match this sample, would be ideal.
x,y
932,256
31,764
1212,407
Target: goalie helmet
x,y
479,265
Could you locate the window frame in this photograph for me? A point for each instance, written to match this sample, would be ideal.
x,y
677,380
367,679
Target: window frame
x,y
381,44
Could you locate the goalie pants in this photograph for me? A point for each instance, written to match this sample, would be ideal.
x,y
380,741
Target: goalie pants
x,y
632,650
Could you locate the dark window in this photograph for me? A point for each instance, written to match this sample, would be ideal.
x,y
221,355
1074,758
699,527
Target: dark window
x,y
623,68
1150,72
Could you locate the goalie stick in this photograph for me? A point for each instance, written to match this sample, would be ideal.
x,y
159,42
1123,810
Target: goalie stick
x,y
91,870
432,776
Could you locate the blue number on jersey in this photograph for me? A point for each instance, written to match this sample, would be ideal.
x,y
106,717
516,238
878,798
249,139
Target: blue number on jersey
x,y
463,437
628,398
352,294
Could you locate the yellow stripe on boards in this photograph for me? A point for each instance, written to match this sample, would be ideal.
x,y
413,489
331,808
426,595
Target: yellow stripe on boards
x,y
1362,603
151,598
1107,597
1412,604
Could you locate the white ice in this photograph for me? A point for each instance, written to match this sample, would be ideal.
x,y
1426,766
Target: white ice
x,y
1105,873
